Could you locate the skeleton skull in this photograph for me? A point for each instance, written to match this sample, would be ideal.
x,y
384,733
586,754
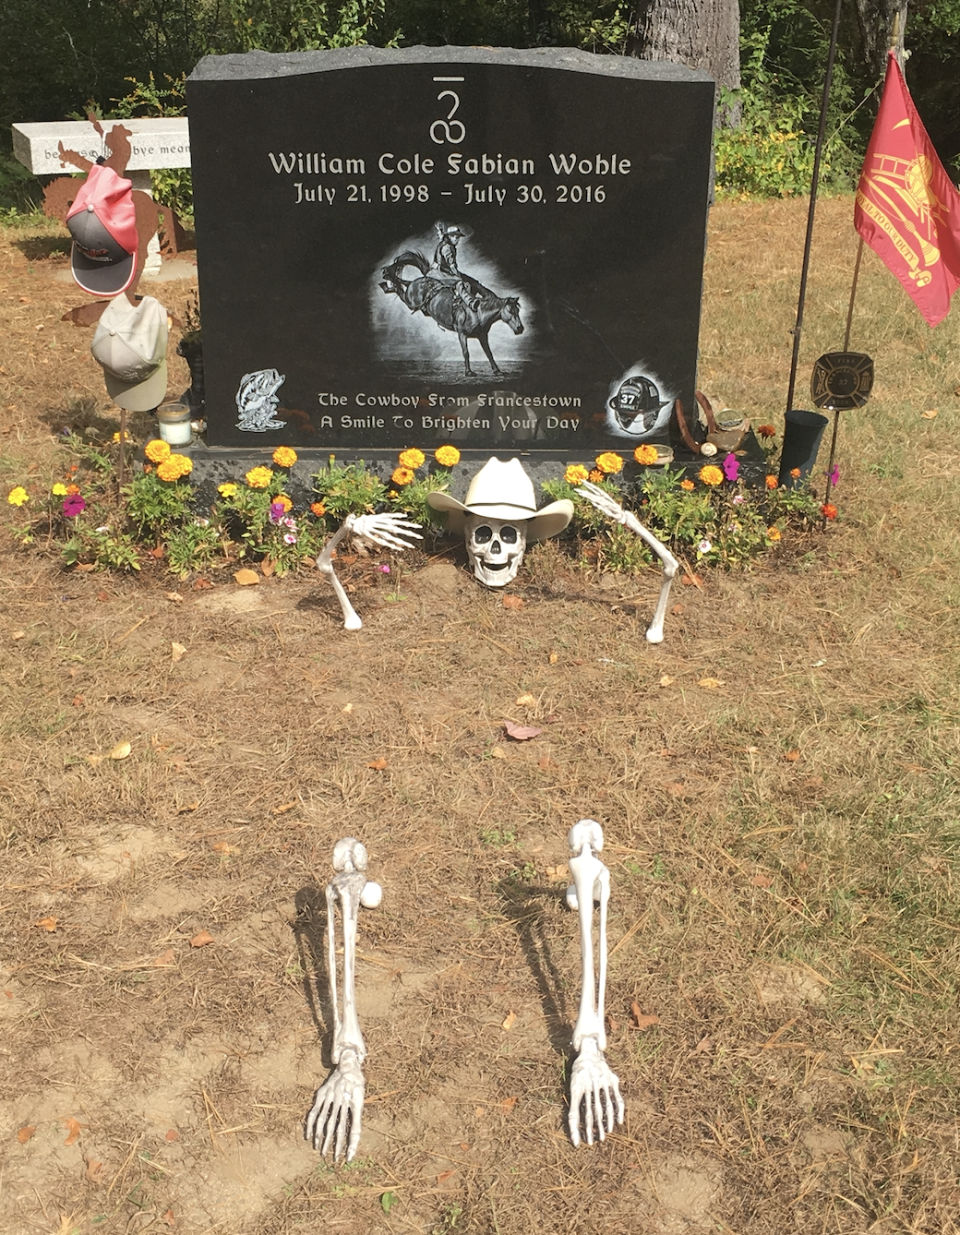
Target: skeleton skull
x,y
495,548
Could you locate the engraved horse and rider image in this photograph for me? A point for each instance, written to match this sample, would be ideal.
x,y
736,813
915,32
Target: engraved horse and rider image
x,y
454,300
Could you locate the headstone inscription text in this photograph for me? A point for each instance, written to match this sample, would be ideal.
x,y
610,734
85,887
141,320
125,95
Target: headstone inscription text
x,y
501,249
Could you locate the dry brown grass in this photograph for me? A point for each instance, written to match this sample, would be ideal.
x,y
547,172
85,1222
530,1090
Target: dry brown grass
x,y
793,923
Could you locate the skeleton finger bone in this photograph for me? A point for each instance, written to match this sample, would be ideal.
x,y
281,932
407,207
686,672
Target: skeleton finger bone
x,y
386,530
594,1089
335,1117
606,505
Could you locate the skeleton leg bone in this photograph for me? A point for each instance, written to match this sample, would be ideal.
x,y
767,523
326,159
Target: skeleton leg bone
x,y
387,530
613,510
593,1086
334,1119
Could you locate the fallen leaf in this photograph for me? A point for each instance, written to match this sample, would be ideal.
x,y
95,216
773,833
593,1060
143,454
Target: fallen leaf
x,y
94,760
508,1104
612,1025
201,940
553,657
165,959
246,578
168,1218
284,807
102,596
73,1129
347,709
25,1133
172,1135
48,924
640,1019
445,1175
221,846
930,415
560,872
675,787
711,683
479,1112
520,733
509,1021
388,1200
667,753
691,581
792,756
666,680
704,1046
513,602
177,652
190,807
813,782
545,763
526,701
94,1170
17,634
760,880
497,752
267,567
158,552
77,701
175,597
200,585
676,610
378,765
121,751
803,867
85,567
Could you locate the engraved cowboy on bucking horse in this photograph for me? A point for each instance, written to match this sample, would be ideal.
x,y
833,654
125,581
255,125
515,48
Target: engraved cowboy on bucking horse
x,y
454,300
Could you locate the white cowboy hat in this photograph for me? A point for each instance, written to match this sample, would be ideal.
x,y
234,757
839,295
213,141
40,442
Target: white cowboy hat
x,y
504,491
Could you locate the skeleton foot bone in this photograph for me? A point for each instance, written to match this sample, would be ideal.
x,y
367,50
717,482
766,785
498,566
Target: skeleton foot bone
x,y
390,531
334,1119
606,505
593,1086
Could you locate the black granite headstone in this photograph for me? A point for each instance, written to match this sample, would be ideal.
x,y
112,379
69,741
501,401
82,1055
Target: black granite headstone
x,y
500,249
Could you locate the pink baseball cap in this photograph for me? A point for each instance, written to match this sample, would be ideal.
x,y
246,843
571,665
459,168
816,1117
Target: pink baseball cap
x,y
103,223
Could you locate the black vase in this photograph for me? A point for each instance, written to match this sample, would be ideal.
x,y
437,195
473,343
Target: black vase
x,y
801,441
192,352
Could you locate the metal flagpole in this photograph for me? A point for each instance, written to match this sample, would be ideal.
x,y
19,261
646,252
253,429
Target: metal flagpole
x,y
821,133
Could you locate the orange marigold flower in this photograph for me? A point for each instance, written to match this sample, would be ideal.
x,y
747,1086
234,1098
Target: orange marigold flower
x,y
687,485
711,475
829,511
284,456
770,482
73,488
169,469
609,463
148,468
402,476
795,473
318,509
766,430
285,502
447,456
258,477
157,450
646,454
595,476
773,533
184,464
411,459
576,474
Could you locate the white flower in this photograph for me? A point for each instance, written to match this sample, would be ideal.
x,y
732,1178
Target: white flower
x,y
738,498
704,546
290,539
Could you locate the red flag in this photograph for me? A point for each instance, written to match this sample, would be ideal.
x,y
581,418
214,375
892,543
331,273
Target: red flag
x,y
908,211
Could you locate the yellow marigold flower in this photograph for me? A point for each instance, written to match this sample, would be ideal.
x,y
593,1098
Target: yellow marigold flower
x,y
770,482
711,475
447,456
59,490
595,476
609,462
184,464
773,533
318,509
285,502
157,450
687,485
169,469
259,477
402,475
576,474
646,454
18,495
411,459
284,456
227,489
126,436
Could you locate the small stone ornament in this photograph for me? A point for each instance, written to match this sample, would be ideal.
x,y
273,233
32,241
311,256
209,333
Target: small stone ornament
x,y
334,1119
498,519
387,530
606,505
595,1099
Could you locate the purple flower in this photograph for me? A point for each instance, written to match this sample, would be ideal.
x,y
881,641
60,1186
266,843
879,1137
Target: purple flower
x,y
731,468
277,512
834,476
383,568
73,505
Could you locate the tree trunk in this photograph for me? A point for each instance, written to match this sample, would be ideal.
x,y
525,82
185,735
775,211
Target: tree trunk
x,y
702,34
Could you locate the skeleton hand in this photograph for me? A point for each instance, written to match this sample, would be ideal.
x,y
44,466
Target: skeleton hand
x,y
597,1089
387,530
613,510
339,1102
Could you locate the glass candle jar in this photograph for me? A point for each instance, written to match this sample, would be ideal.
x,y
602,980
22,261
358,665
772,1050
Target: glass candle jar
x,y
175,427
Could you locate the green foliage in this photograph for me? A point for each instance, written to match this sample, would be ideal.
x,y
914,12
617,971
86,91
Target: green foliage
x,y
195,545
156,507
412,499
768,154
101,546
350,490
171,186
301,25
262,530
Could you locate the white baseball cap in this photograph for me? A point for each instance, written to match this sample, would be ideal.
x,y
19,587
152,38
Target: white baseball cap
x,y
130,344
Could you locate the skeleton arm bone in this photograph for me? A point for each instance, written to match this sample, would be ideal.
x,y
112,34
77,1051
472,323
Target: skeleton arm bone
x,y
387,530
613,510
